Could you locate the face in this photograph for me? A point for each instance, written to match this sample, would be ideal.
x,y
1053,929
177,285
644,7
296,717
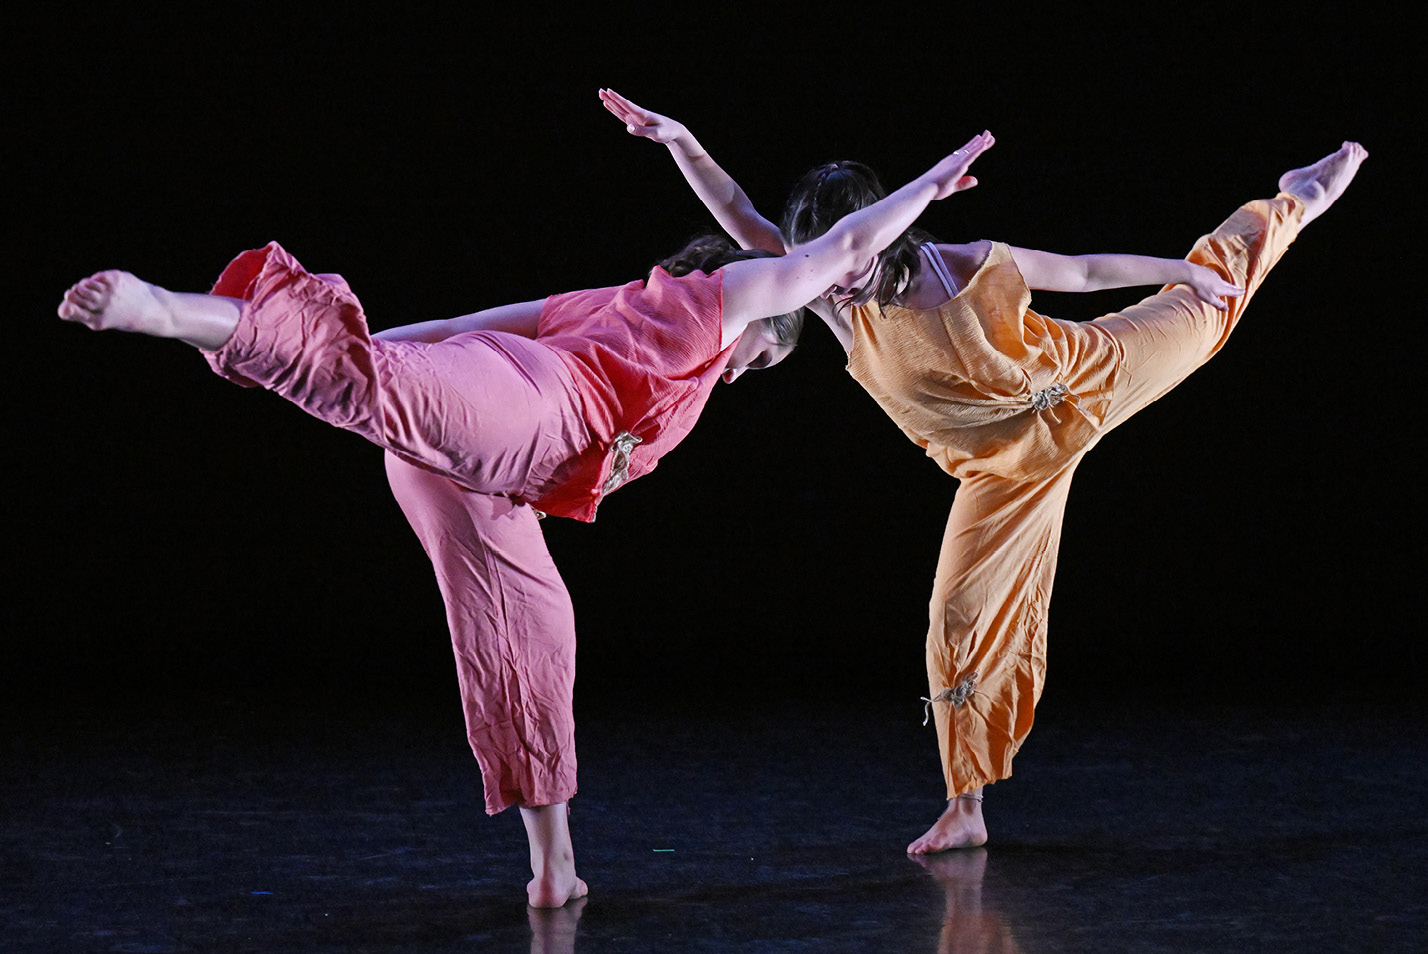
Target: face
x,y
839,292
756,348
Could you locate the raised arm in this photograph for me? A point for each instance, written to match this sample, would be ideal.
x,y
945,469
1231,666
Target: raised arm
x,y
521,319
720,194
843,256
1046,271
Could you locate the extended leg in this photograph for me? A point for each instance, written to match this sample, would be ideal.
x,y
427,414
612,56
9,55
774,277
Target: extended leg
x,y
986,645
1319,185
513,634
117,301
1170,334
498,413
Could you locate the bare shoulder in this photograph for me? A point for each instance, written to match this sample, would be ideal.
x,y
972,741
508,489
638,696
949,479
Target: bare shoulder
x,y
964,260
961,262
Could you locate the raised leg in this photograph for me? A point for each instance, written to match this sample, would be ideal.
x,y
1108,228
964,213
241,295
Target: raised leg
x,y
118,301
1170,334
498,413
1319,185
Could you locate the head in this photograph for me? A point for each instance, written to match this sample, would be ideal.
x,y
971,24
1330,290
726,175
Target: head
x,y
826,194
764,343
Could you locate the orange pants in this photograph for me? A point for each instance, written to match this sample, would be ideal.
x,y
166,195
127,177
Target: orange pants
x,y
986,646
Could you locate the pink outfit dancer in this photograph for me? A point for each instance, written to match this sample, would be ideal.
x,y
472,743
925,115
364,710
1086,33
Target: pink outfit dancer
x,y
486,417
481,431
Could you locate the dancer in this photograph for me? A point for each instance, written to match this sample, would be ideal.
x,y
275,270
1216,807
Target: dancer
x,y
488,418
1008,401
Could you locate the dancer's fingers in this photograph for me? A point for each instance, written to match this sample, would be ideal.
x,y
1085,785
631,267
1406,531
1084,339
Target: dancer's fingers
x,y
618,103
613,96
978,144
631,118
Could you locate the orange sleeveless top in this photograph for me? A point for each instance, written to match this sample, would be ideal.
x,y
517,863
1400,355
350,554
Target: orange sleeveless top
x,y
983,383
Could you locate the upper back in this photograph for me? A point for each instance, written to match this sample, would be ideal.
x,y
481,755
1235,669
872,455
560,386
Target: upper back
x,y
956,264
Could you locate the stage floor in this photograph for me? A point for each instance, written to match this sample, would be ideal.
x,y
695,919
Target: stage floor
x,y
239,826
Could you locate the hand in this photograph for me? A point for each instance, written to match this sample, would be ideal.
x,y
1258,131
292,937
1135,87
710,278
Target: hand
x,y
642,122
1211,288
950,175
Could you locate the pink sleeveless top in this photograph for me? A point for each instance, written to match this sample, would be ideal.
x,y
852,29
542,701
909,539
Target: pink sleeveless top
x,y
645,357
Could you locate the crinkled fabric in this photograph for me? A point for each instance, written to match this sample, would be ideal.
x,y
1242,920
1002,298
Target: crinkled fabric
x,y
537,419
477,429
512,633
496,413
971,381
986,644
644,358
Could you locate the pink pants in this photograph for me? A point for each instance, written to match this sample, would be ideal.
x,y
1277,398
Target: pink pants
x,y
468,424
512,630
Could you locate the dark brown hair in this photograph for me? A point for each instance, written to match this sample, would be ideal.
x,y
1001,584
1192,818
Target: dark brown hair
x,y
708,254
826,194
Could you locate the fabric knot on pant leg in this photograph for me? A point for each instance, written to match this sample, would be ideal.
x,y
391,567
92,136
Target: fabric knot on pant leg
x,y
957,695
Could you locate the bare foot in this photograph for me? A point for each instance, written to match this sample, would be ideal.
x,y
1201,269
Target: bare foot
x,y
552,856
961,826
553,889
115,300
1321,184
118,301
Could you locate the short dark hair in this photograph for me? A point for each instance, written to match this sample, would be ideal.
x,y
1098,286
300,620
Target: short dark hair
x,y
826,194
709,253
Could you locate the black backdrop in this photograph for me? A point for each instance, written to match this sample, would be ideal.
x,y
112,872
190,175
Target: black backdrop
x,y
168,532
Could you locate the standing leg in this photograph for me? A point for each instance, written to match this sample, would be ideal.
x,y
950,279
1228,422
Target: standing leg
x,y
986,646
513,634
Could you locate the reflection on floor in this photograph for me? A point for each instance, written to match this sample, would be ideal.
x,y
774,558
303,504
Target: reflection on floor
x,y
1160,829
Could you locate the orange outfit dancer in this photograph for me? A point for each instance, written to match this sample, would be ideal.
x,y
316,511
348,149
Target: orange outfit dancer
x,y
1009,401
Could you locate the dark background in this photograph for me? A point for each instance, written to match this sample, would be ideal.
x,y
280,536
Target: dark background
x,y
169,535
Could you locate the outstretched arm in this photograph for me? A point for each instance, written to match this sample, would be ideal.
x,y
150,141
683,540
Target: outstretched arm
x,y
845,254
720,194
521,319
1046,271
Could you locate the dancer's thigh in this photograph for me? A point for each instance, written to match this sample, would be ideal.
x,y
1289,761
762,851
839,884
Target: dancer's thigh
x,y
1163,339
996,564
497,413
1168,335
